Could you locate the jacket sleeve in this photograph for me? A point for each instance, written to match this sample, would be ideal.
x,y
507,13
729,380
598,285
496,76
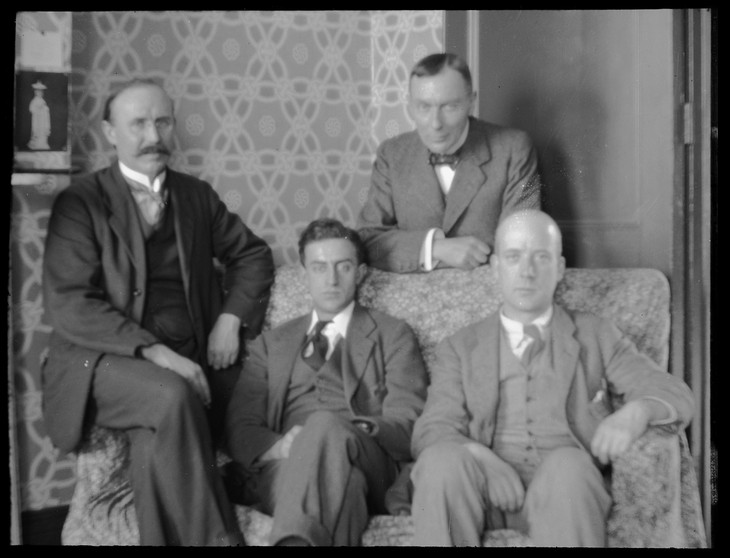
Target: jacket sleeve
x,y
75,295
632,375
389,248
248,434
445,417
405,384
524,185
248,263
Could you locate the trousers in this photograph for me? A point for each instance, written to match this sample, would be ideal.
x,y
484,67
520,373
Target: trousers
x,y
336,475
566,501
179,495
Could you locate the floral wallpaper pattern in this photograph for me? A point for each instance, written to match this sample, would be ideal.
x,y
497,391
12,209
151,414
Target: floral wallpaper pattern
x,y
280,111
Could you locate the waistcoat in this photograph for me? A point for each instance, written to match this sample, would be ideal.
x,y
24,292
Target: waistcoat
x,y
531,418
166,312
315,390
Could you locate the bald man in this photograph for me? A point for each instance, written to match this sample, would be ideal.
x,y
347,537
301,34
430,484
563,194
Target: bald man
x,y
146,336
518,430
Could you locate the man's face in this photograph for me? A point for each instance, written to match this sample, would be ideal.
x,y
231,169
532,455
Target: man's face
x,y
529,267
332,275
141,128
440,106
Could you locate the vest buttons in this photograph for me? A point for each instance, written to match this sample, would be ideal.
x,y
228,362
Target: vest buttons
x,y
137,292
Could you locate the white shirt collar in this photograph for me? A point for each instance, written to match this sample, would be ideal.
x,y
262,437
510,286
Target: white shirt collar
x,y
515,331
156,184
339,322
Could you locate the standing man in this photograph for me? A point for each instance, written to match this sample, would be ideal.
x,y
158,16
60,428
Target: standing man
x,y
146,338
437,193
518,427
321,418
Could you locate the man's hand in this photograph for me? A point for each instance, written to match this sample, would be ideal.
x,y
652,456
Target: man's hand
x,y
280,450
223,341
504,486
619,430
463,252
163,356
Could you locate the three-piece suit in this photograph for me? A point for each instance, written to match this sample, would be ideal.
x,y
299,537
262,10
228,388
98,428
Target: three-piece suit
x,y
496,174
590,364
336,474
97,274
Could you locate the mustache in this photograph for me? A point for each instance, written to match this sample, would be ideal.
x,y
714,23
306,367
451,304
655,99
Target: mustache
x,y
150,149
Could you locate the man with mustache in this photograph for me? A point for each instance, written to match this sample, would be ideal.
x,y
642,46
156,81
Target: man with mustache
x,y
320,421
519,428
437,193
146,334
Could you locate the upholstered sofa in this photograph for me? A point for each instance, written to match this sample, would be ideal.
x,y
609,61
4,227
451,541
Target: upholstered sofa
x,y
656,499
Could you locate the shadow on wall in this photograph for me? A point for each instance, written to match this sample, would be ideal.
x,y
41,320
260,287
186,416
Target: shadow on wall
x,y
569,133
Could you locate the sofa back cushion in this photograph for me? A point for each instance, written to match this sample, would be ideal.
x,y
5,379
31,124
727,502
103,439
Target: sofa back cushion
x,y
438,303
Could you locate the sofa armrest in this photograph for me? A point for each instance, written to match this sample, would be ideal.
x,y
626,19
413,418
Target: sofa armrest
x,y
645,484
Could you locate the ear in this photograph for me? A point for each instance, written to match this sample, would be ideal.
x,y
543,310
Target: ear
x,y
472,101
561,268
362,271
109,132
409,107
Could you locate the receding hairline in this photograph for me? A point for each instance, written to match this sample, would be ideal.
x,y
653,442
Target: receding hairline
x,y
138,83
439,63
532,216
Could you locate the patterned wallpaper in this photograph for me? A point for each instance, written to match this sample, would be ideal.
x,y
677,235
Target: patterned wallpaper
x,y
280,111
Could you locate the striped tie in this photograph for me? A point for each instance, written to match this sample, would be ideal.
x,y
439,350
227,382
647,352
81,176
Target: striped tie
x,y
534,348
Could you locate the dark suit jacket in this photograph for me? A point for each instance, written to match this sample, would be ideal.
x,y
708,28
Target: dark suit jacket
x,y
95,281
383,375
590,355
497,173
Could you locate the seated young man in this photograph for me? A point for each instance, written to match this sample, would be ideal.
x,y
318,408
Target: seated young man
x,y
518,430
321,417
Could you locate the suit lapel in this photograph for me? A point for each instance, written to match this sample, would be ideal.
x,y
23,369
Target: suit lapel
x,y
423,185
360,344
484,386
566,348
285,347
469,178
184,219
124,220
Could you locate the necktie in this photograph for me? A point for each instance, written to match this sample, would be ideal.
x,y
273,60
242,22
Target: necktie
x,y
442,159
319,346
534,348
150,203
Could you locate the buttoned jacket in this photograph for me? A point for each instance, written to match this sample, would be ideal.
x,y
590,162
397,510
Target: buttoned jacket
x,y
383,374
598,365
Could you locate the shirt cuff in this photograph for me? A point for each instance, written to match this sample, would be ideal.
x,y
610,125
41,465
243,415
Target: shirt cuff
x,y
672,418
426,261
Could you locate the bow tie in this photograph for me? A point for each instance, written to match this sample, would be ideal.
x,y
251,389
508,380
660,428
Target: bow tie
x,y
442,159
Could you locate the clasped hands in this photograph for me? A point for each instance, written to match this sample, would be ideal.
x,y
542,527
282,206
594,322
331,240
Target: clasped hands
x,y
463,252
223,346
614,436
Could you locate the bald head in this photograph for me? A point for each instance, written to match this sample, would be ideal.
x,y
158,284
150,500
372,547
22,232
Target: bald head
x,y
534,220
528,263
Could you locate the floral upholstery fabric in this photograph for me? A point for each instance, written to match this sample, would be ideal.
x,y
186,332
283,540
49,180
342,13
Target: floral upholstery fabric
x,y
656,499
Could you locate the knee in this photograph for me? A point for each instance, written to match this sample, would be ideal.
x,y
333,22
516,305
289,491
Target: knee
x,y
173,393
326,424
443,464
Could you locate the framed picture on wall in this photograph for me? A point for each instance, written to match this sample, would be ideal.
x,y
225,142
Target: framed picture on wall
x,y
41,111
